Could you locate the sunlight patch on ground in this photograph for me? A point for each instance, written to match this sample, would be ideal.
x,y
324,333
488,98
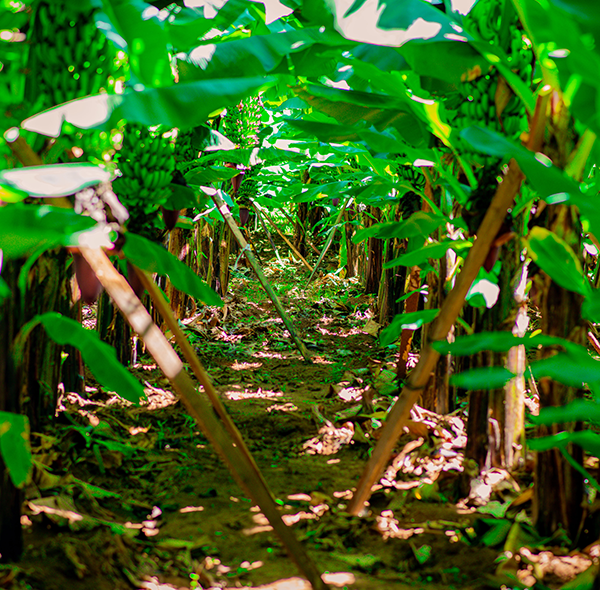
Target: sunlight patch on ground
x,y
191,509
236,393
236,366
341,333
268,355
289,407
319,360
335,579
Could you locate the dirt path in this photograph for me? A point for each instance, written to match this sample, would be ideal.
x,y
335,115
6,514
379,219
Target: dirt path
x,y
134,497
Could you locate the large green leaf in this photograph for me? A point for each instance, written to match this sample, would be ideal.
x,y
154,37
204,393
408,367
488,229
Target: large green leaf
x,y
257,55
349,107
154,258
431,41
379,141
406,321
556,258
140,27
54,181
421,255
190,25
14,447
24,228
100,358
182,106
420,223
482,378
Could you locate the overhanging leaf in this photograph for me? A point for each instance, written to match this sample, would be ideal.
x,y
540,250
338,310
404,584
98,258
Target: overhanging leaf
x,y
182,106
59,180
100,358
419,223
154,258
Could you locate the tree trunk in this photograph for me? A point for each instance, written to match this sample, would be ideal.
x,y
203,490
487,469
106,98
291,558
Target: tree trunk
x,y
558,488
374,255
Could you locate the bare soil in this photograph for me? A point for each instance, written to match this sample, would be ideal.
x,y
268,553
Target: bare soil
x,y
135,497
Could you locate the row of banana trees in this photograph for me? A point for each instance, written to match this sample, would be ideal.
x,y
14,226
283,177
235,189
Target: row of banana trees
x,y
402,122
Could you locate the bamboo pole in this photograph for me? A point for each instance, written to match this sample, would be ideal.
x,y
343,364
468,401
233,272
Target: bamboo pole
x,y
329,239
224,210
417,380
236,456
262,212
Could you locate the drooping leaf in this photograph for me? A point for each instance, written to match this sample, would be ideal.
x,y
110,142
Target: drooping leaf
x,y
556,258
15,448
258,55
99,357
482,378
406,321
154,258
53,181
420,223
181,197
24,228
349,107
182,106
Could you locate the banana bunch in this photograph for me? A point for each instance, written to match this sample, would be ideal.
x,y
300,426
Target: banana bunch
x,y
69,56
147,164
488,101
243,121
249,187
184,151
412,175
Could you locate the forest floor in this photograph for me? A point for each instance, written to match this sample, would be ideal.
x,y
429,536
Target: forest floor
x,y
131,496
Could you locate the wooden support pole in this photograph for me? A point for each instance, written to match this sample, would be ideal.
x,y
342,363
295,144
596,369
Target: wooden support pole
x,y
262,212
236,456
329,239
260,275
417,380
